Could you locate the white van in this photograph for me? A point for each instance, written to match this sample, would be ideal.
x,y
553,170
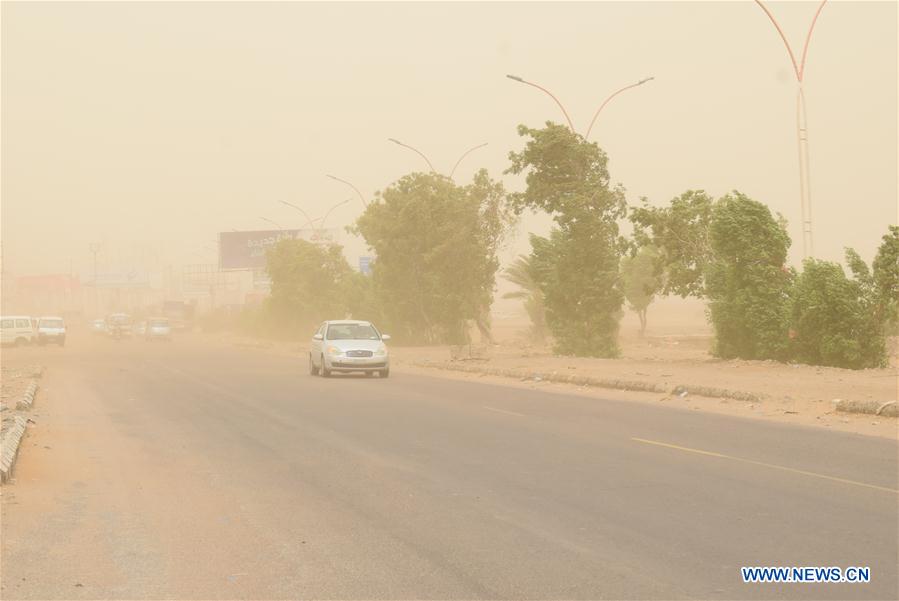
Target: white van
x,y
17,330
51,329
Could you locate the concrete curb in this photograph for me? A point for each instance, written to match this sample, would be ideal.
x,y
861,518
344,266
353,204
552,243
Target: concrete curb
x,y
888,409
615,384
10,447
27,400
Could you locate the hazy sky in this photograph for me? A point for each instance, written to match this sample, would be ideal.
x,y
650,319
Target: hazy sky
x,y
152,126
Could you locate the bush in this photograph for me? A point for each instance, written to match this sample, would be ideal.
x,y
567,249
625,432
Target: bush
x,y
834,320
747,284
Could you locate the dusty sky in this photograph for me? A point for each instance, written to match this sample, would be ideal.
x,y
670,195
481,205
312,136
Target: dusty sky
x,y
150,127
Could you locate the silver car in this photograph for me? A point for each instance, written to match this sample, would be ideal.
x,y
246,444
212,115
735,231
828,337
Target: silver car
x,y
158,328
349,346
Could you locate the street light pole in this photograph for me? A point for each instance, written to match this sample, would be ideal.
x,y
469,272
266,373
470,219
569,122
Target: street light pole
x,y
323,219
801,127
355,189
420,153
551,95
272,222
606,101
465,154
301,211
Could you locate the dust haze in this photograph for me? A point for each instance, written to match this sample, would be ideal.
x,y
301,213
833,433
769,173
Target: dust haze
x,y
148,128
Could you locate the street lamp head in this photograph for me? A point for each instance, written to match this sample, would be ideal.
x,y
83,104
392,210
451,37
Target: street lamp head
x,y
515,78
395,141
644,80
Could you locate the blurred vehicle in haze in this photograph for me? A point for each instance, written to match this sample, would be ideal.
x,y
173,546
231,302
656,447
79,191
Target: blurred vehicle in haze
x,y
98,326
140,328
349,346
158,328
119,325
179,313
17,330
51,329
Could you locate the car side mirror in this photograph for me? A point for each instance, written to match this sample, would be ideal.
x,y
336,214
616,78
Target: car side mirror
x,y
318,337
385,337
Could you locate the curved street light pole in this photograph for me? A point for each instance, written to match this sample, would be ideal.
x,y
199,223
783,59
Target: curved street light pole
x,y
272,222
323,219
355,189
551,95
301,211
413,149
606,101
801,127
465,154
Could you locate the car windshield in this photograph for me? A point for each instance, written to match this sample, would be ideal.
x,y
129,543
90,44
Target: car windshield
x,y
352,331
51,323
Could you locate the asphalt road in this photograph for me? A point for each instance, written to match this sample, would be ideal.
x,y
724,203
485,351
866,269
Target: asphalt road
x,y
193,471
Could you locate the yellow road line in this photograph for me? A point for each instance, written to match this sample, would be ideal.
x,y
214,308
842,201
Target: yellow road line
x,y
763,464
504,411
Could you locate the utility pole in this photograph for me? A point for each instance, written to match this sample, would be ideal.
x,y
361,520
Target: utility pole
x,y
95,249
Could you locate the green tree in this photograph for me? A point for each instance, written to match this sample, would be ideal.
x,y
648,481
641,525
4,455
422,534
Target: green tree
x,y
885,274
309,284
746,280
577,265
436,244
521,273
641,280
833,316
681,233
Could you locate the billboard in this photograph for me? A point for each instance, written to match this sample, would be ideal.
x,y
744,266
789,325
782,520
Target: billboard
x,y
246,250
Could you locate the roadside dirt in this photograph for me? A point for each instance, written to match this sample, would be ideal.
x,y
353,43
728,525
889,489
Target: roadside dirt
x,y
13,381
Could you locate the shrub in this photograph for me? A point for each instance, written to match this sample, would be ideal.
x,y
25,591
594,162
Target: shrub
x,y
834,320
746,281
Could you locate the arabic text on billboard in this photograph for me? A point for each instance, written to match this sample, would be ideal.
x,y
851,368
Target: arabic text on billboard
x,y
246,250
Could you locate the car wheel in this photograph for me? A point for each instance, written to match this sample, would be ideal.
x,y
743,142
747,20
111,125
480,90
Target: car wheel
x,y
326,373
384,373
313,370
369,374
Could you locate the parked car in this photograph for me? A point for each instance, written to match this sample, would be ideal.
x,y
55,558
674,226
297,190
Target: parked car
x,y
98,326
140,328
17,330
158,328
349,346
51,329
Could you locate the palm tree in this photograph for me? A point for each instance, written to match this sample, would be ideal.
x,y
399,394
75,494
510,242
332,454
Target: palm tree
x,y
521,273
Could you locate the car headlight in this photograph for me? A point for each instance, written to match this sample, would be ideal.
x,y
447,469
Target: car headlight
x,y
333,350
382,350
